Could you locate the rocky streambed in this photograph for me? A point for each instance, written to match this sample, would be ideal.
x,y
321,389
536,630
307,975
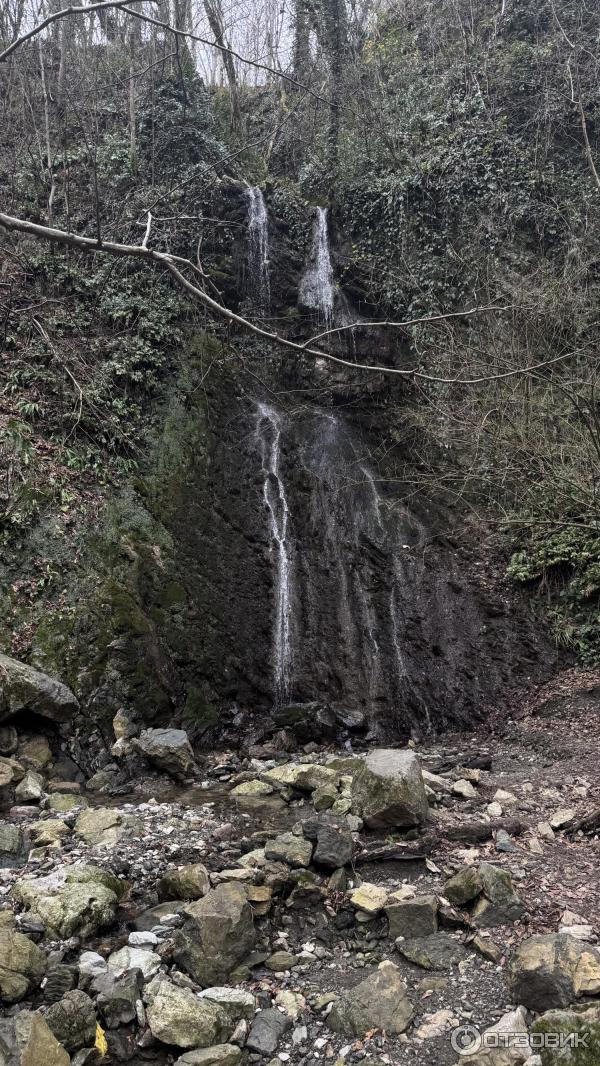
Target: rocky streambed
x,y
340,904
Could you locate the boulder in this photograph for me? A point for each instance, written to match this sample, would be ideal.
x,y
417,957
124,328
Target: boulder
x,y
30,789
378,1002
76,900
388,790
334,847
187,882
167,749
104,825
22,965
553,971
27,1040
464,886
217,934
306,721
504,1044
178,1016
234,1003
306,777
63,802
288,847
11,771
266,1032
219,1055
132,958
73,1020
11,843
117,997
48,831
579,1032
436,952
413,917
500,903
24,689
370,899
256,787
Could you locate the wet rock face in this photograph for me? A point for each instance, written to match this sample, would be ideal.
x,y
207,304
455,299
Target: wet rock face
x,y
380,626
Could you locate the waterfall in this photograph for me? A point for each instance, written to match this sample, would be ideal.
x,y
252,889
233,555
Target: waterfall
x,y
268,433
258,249
316,287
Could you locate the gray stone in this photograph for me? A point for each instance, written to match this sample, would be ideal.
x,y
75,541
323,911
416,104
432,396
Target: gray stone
x,y
436,952
117,997
76,900
585,1025
234,1003
30,789
187,882
22,965
334,847
217,934
289,848
464,886
131,958
27,1040
167,749
24,689
73,1021
267,1030
413,917
388,790
219,1055
500,903
11,841
379,1002
177,1016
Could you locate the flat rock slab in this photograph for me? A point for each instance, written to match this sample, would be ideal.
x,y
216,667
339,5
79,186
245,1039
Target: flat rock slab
x,y
437,952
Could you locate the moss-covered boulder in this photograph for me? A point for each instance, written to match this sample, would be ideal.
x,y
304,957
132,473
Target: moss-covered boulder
x,y
579,1037
388,790
76,901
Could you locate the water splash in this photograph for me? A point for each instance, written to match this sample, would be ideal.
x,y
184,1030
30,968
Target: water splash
x,y
268,435
316,287
258,249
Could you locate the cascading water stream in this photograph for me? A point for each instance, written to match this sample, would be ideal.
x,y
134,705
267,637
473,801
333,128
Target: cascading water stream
x,y
316,287
268,434
258,249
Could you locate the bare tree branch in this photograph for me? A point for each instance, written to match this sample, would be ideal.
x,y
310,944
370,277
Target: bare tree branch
x,y
409,321
170,262
122,6
64,13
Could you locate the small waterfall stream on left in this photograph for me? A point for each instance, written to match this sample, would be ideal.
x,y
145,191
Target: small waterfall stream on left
x,y
258,249
268,434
